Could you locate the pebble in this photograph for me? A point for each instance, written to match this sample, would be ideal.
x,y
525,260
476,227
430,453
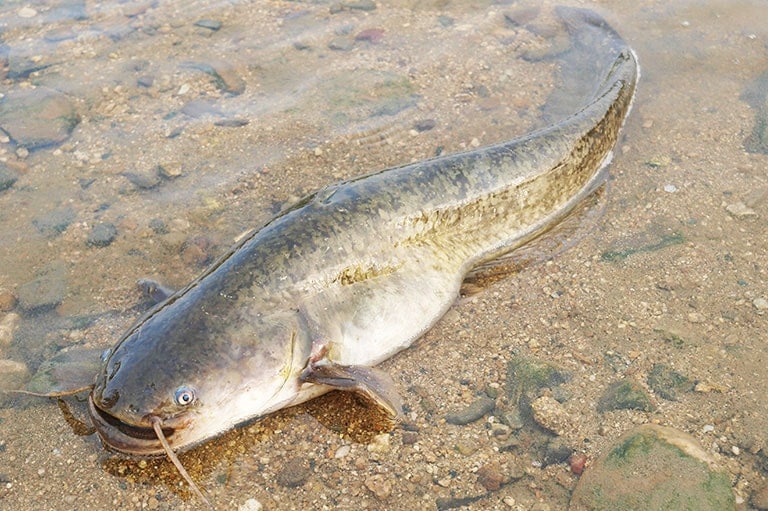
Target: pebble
x,y
341,44
651,465
667,383
380,443
294,473
13,374
740,210
342,451
491,477
39,117
170,170
27,12
250,505
7,300
101,235
625,395
8,325
143,180
472,412
45,291
213,25
550,414
54,222
7,177
761,304
380,485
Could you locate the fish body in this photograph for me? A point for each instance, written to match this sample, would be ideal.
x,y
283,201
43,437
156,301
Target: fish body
x,y
345,279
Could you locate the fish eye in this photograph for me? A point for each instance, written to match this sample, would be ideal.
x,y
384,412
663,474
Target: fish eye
x,y
184,396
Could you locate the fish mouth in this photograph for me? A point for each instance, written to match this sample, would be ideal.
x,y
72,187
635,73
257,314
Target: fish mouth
x,y
127,438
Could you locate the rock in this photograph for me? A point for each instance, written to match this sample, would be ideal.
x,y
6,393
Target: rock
x,y
740,210
491,477
380,485
654,468
212,25
36,118
424,125
13,374
250,505
45,291
667,382
7,177
143,180
472,412
294,473
760,303
550,414
54,222
525,376
101,235
625,395
341,44
8,325
556,452
379,444
7,300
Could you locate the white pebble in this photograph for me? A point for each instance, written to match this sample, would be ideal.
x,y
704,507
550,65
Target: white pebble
x,y
27,12
250,505
670,188
342,451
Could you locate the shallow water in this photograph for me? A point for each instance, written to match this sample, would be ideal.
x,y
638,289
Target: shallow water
x,y
185,136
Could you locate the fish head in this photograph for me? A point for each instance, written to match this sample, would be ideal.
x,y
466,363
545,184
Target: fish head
x,y
196,379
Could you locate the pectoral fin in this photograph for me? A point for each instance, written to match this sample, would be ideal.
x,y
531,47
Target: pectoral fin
x,y
369,381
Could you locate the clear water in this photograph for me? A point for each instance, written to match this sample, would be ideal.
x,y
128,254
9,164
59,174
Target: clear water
x,y
189,135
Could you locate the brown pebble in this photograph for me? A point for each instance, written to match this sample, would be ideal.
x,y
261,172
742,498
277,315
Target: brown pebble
x,y
294,473
372,35
410,437
379,485
490,476
577,462
7,300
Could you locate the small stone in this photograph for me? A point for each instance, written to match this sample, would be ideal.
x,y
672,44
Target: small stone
x,y
7,300
27,12
342,451
54,222
625,395
379,485
213,25
577,463
490,476
550,414
341,44
7,177
696,317
170,170
761,304
380,443
13,374
145,81
740,210
555,453
472,412
410,437
101,235
45,291
424,125
39,117
667,382
143,180
294,473
8,325
371,35
250,505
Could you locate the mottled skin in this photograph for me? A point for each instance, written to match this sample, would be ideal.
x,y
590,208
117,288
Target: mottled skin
x,y
351,275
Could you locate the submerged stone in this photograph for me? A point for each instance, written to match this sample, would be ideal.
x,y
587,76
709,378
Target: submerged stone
x,y
36,118
654,468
